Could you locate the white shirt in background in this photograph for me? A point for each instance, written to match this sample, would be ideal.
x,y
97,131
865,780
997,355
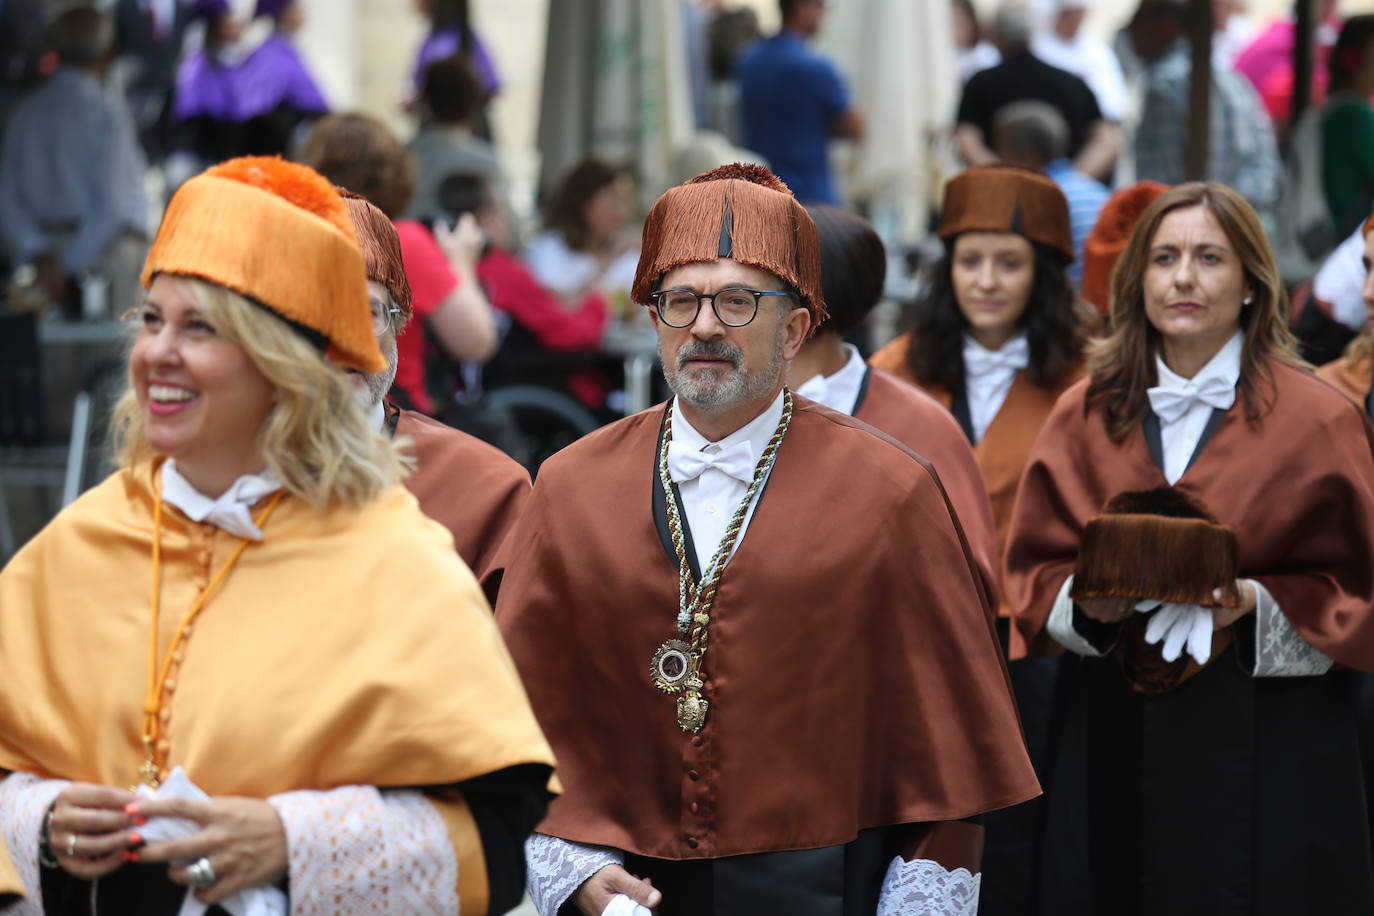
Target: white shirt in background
x,y
839,390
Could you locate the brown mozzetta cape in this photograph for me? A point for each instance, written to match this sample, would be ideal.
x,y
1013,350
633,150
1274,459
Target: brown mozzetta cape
x,y
918,421
1297,488
1005,446
474,490
853,672
1352,381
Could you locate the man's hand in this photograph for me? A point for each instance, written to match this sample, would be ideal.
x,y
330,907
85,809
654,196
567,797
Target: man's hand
x,y
596,892
1107,610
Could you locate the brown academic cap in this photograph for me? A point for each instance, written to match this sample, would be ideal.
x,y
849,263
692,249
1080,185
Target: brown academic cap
x,y
1162,544
1006,198
738,211
1110,234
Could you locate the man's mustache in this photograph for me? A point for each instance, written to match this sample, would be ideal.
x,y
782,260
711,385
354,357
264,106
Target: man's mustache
x,y
709,349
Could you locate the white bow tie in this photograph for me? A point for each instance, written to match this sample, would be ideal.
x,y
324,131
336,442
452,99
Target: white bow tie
x,y
1169,404
978,360
687,463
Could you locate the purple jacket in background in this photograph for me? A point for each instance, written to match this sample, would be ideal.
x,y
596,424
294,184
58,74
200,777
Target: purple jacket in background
x,y
269,77
446,43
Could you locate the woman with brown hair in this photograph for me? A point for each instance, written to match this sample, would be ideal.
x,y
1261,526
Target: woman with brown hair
x,y
1179,528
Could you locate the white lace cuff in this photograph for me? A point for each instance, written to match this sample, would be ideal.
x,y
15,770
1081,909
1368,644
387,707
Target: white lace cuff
x,y
1280,650
356,850
24,800
922,887
557,868
1060,625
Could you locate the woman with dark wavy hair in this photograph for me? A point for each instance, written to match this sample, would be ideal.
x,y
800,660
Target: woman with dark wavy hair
x,y
1196,522
999,333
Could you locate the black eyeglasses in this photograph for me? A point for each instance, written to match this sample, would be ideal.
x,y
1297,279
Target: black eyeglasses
x,y
735,307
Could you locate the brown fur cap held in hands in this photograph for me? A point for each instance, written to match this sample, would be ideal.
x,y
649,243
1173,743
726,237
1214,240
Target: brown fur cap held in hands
x,y
1161,544
1005,198
278,233
738,211
1107,241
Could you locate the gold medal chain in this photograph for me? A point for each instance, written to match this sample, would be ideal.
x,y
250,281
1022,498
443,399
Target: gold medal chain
x,y
699,598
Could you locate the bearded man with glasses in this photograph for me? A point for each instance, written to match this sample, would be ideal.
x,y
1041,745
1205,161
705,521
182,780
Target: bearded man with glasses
x,y
749,624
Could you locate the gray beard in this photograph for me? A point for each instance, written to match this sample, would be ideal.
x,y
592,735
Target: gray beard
x,y
704,392
377,384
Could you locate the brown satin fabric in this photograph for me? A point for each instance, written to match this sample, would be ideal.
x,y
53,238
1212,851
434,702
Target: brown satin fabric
x,y
1004,448
953,844
1297,488
854,675
1352,381
474,490
918,421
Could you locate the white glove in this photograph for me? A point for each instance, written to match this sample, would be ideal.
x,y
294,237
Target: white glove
x,y
622,905
1178,625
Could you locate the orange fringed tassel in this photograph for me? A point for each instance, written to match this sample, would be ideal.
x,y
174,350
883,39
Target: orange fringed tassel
x,y
1157,544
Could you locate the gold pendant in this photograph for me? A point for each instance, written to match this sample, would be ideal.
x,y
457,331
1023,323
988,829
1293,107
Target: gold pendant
x,y
671,665
150,772
691,707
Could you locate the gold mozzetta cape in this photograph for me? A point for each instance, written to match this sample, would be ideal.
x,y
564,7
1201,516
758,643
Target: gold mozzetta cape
x,y
11,887
350,647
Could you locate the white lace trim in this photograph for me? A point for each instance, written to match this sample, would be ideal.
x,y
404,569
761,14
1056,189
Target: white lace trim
x,y
1280,650
24,800
557,867
922,887
356,850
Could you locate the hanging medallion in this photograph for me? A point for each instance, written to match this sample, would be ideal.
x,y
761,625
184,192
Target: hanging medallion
x,y
671,665
691,707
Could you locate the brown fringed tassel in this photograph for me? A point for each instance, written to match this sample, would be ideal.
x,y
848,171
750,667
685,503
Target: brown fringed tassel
x,y
1157,544
767,228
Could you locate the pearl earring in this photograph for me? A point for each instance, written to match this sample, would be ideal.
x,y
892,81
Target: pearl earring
x,y
1247,300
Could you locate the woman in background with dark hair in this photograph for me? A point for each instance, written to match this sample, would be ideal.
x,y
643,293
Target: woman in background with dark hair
x,y
1348,126
585,245
999,333
832,372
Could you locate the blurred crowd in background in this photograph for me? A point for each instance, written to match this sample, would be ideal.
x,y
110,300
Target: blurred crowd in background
x,y
524,332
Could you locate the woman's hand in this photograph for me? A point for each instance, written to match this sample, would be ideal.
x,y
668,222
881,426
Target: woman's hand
x,y
91,829
462,245
596,892
242,837
1225,616
1107,610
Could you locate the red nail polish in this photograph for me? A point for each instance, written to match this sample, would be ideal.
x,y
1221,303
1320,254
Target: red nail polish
x,y
135,839
131,809
139,821
130,855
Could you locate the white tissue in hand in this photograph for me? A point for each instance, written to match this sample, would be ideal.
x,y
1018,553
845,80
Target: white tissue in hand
x,y
621,905
255,901
1179,625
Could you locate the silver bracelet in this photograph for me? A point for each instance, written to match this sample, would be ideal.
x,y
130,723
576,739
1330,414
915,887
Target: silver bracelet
x,y
46,857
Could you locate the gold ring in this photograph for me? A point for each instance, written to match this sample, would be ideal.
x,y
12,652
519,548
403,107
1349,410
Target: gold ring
x,y
71,844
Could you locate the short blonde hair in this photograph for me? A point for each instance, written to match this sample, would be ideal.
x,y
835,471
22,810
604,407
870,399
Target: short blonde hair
x,y
316,438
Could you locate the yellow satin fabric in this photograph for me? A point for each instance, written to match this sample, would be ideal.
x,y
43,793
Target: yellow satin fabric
x,y
350,647
11,888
